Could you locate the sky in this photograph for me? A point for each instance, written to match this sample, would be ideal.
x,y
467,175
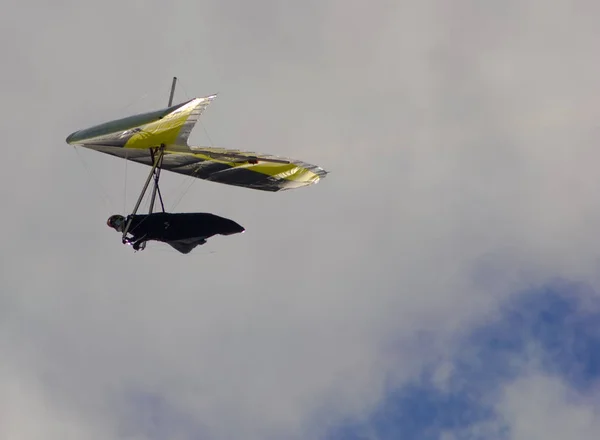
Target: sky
x,y
440,283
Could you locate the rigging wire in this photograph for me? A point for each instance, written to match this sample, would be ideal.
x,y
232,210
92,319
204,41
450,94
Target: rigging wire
x,y
159,247
134,101
147,199
189,181
103,192
183,188
125,183
108,202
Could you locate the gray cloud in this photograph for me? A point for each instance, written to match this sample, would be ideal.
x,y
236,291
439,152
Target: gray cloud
x,y
452,133
536,406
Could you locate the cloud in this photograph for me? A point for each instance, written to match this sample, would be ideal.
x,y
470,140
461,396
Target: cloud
x,y
462,145
528,372
540,407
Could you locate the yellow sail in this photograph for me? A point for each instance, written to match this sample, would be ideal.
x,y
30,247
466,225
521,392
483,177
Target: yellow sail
x,y
133,137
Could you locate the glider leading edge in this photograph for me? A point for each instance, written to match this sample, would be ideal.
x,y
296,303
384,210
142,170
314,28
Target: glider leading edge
x,y
159,139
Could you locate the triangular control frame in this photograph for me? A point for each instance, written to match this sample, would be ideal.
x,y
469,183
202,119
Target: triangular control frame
x,y
157,154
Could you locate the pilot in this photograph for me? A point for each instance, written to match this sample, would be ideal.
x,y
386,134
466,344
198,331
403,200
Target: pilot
x,y
182,231
118,222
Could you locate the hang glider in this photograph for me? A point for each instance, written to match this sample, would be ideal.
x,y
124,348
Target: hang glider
x,y
134,137
159,139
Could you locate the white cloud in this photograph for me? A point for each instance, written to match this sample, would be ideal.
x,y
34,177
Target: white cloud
x,y
538,406
27,411
452,133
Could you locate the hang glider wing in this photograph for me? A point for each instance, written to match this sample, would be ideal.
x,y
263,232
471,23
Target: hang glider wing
x,y
131,138
169,126
231,167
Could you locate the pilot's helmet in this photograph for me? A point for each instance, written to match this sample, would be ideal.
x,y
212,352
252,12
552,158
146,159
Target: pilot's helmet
x,y
116,222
